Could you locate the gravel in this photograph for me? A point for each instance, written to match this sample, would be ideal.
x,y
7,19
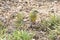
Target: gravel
x,y
9,8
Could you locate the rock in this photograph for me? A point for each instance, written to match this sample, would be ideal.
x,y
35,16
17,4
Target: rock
x,y
25,20
58,37
33,39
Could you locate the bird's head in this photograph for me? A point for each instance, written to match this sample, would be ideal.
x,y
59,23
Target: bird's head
x,y
35,11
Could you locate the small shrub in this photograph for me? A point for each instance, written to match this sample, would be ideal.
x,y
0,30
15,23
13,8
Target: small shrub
x,y
19,19
17,35
2,29
1,25
54,21
3,37
51,23
52,35
22,35
57,30
3,34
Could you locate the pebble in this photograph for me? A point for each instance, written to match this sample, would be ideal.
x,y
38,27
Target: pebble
x,y
58,37
33,39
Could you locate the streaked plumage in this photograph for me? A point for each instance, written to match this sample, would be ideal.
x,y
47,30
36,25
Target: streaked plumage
x,y
33,16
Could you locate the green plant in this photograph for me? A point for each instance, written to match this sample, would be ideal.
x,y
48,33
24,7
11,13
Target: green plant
x,y
3,34
2,29
52,35
1,25
53,25
19,19
57,30
51,22
54,21
3,37
16,35
21,35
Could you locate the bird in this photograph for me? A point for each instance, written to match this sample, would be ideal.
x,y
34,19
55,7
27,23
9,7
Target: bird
x,y
33,17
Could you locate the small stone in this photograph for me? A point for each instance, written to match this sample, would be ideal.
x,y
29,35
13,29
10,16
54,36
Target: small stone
x,y
33,39
58,37
25,20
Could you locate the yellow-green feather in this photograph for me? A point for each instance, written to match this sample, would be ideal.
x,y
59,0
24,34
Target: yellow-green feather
x,y
33,16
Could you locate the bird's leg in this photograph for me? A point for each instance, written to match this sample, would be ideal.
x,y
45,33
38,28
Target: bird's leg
x,y
31,24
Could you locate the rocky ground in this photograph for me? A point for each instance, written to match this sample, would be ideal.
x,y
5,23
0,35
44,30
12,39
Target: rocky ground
x,y
9,8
